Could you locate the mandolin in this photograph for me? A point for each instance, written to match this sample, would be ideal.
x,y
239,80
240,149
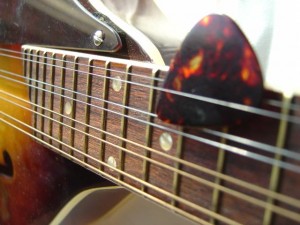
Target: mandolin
x,y
84,95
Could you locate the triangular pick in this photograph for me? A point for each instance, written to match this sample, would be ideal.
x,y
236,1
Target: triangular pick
x,y
215,61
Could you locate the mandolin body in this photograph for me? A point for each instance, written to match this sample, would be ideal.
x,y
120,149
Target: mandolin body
x,y
64,91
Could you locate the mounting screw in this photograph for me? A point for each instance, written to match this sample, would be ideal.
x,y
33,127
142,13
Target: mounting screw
x,y
98,37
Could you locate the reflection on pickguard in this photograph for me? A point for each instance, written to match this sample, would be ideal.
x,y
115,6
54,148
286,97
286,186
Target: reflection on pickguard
x,y
6,168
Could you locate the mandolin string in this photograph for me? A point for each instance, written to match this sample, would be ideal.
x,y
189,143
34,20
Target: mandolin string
x,y
108,176
233,149
149,185
249,109
278,104
165,68
259,145
236,106
282,198
276,209
251,143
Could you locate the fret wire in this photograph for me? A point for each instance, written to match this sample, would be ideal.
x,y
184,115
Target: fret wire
x,y
74,102
87,111
280,197
278,210
216,195
44,69
149,129
124,121
35,99
25,72
62,100
38,91
177,166
237,106
276,171
110,177
103,118
229,148
51,102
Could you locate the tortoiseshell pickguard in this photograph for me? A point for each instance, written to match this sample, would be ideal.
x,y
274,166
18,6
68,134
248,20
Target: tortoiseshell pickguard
x,y
216,61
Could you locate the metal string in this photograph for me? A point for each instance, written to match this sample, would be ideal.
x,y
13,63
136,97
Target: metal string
x,y
221,134
252,143
261,146
283,198
249,109
235,150
166,193
276,209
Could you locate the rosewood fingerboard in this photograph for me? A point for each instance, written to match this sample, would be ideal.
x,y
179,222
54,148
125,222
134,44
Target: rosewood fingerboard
x,y
99,112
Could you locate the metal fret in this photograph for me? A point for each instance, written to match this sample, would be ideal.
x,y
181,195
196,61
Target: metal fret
x,y
149,128
104,112
25,69
177,166
220,168
89,79
61,98
44,66
35,100
276,171
73,103
124,120
51,102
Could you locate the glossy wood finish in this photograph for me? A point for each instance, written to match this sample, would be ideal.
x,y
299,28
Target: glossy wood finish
x,y
195,177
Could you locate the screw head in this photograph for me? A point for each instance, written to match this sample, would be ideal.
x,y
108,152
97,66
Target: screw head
x,y
98,37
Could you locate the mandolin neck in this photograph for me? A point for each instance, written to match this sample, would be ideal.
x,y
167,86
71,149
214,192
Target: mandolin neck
x,y
100,113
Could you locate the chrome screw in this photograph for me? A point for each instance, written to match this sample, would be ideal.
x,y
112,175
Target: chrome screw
x,y
98,37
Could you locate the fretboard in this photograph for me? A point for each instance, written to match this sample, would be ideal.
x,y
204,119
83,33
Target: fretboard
x,y
100,113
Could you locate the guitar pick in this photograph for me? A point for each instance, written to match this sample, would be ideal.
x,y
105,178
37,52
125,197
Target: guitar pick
x,y
217,62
